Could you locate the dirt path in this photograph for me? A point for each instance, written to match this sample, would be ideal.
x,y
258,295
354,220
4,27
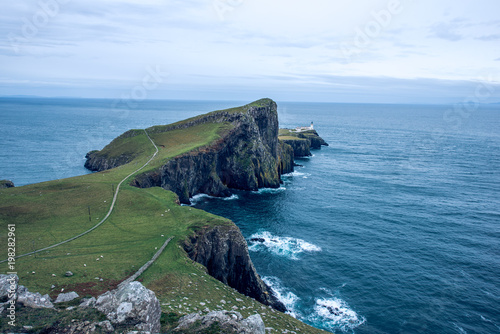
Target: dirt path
x,y
107,215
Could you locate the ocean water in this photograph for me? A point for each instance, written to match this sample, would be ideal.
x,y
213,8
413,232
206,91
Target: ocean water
x,y
393,228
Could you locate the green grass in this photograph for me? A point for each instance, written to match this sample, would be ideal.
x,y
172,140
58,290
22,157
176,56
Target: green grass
x,y
40,319
291,138
50,212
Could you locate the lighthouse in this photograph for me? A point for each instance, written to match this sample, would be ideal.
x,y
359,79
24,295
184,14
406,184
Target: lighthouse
x,y
312,126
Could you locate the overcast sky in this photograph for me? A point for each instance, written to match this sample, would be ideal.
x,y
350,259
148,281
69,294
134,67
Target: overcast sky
x,y
317,50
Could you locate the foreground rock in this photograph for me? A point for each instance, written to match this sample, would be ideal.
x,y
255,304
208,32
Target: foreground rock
x,y
227,322
224,252
132,304
33,299
6,184
7,284
9,287
66,297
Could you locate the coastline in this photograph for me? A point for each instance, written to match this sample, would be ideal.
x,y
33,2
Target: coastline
x,y
259,182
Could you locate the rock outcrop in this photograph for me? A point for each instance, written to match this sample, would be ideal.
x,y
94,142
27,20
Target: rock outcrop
x,y
78,327
117,153
8,284
9,288
245,158
6,184
227,322
302,142
132,304
224,252
33,299
286,158
66,297
131,307
301,146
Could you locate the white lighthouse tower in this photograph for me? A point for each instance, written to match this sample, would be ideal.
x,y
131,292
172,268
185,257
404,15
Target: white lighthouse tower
x,y
312,126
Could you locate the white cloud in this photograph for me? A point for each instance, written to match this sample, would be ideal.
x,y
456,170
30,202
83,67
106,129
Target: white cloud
x,y
111,42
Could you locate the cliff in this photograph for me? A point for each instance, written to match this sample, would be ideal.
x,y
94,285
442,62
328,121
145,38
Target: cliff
x,y
246,156
286,156
224,252
301,142
120,151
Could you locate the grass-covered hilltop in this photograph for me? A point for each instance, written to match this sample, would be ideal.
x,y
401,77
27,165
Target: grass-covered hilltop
x,y
109,224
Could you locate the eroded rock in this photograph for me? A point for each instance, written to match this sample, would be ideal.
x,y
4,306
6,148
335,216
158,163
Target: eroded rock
x,y
229,322
66,297
33,299
132,304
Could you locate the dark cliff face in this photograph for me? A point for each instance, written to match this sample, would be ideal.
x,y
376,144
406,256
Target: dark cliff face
x,y
301,147
116,154
246,158
286,158
224,252
96,162
314,139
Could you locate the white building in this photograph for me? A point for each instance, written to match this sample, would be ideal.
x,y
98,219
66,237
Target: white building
x,y
305,128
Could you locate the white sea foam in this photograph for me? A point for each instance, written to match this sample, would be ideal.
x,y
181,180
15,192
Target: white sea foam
x,y
334,313
296,174
230,198
269,190
283,246
198,198
288,298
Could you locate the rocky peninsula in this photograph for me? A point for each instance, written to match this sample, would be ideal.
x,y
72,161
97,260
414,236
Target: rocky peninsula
x,y
239,148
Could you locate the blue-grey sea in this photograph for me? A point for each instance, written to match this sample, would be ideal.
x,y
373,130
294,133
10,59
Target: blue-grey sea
x,y
393,228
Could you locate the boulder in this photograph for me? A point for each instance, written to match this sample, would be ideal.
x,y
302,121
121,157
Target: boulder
x,y
254,323
8,283
88,302
89,327
106,325
228,321
66,297
131,304
33,300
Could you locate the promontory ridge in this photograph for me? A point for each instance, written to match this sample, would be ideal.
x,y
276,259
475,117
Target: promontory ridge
x,y
87,234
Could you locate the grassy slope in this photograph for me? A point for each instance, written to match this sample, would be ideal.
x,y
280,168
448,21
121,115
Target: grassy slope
x,y
49,212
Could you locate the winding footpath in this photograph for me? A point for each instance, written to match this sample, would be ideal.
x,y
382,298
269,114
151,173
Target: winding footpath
x,y
107,215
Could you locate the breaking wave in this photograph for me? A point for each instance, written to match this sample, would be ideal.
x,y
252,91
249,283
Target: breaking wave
x,y
296,174
282,246
288,298
335,313
269,190
198,198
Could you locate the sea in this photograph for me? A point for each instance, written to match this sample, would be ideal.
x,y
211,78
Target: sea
x,y
392,228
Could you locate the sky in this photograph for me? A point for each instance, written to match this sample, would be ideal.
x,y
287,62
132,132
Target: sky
x,y
366,51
